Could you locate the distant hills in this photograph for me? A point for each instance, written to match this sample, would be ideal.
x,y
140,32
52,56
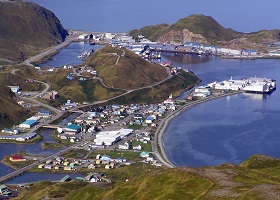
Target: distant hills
x,y
26,28
202,29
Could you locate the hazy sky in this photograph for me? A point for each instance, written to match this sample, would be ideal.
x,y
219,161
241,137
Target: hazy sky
x,y
124,15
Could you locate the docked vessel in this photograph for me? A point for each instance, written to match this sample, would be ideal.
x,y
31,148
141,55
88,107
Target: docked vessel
x,y
252,84
86,54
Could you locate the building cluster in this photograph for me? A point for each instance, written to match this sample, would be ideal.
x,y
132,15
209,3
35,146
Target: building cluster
x,y
68,164
202,49
21,137
149,159
202,91
50,95
19,133
91,177
143,137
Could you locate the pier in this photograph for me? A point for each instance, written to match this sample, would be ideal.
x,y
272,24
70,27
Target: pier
x,y
177,51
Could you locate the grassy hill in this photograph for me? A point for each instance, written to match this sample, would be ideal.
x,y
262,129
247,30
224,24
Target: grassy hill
x,y
227,181
10,112
203,29
27,28
121,68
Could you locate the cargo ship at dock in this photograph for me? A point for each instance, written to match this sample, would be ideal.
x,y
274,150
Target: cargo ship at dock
x,y
252,85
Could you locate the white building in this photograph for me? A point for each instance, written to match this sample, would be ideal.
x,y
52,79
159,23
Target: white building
x,y
83,37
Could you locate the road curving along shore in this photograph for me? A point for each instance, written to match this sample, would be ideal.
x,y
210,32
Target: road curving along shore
x,y
158,145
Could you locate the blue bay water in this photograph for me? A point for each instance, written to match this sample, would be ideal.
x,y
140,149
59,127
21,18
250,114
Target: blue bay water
x,y
229,129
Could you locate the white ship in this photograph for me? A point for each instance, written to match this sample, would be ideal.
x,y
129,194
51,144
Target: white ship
x,y
252,84
274,53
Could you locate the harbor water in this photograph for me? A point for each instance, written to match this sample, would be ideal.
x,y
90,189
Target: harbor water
x,y
34,149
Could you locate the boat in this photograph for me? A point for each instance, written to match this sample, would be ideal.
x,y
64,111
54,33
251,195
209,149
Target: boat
x,y
86,54
274,53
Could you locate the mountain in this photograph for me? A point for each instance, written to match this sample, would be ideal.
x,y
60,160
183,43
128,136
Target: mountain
x,y
202,29
26,28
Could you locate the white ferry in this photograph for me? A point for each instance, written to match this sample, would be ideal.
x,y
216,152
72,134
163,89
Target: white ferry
x,y
274,53
252,84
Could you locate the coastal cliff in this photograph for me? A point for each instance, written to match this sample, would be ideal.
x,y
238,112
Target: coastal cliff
x,y
26,28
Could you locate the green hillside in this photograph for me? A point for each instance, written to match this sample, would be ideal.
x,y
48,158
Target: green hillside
x,y
10,112
27,28
121,68
227,181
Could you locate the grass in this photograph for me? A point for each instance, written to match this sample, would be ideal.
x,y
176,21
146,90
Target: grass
x,y
146,181
76,153
50,145
129,155
145,147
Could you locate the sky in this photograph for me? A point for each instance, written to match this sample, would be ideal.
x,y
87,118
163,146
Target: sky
x,y
125,15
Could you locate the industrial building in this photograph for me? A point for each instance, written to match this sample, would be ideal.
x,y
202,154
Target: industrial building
x,y
108,138
28,123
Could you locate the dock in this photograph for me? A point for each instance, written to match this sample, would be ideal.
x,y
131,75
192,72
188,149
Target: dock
x,y
177,51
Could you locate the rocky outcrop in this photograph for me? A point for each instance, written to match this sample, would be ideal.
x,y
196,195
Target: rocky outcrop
x,y
181,37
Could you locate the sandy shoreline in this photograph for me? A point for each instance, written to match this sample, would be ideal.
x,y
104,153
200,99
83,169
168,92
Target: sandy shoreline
x,y
158,145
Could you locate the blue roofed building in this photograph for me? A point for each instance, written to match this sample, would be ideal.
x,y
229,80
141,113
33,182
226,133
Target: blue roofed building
x,y
249,52
72,129
28,123
44,113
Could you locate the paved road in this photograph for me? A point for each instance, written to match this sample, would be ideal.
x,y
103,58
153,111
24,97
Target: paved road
x,y
68,41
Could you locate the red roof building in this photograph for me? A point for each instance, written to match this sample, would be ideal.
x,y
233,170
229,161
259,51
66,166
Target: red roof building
x,y
17,158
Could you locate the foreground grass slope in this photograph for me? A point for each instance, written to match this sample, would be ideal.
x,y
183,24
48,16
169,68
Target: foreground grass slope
x,y
227,181
27,28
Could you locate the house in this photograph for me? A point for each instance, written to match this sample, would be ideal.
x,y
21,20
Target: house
x,y
137,147
72,129
44,113
17,158
249,52
105,158
67,168
91,166
170,100
149,120
65,178
14,89
10,131
4,190
144,154
41,166
48,167
83,37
